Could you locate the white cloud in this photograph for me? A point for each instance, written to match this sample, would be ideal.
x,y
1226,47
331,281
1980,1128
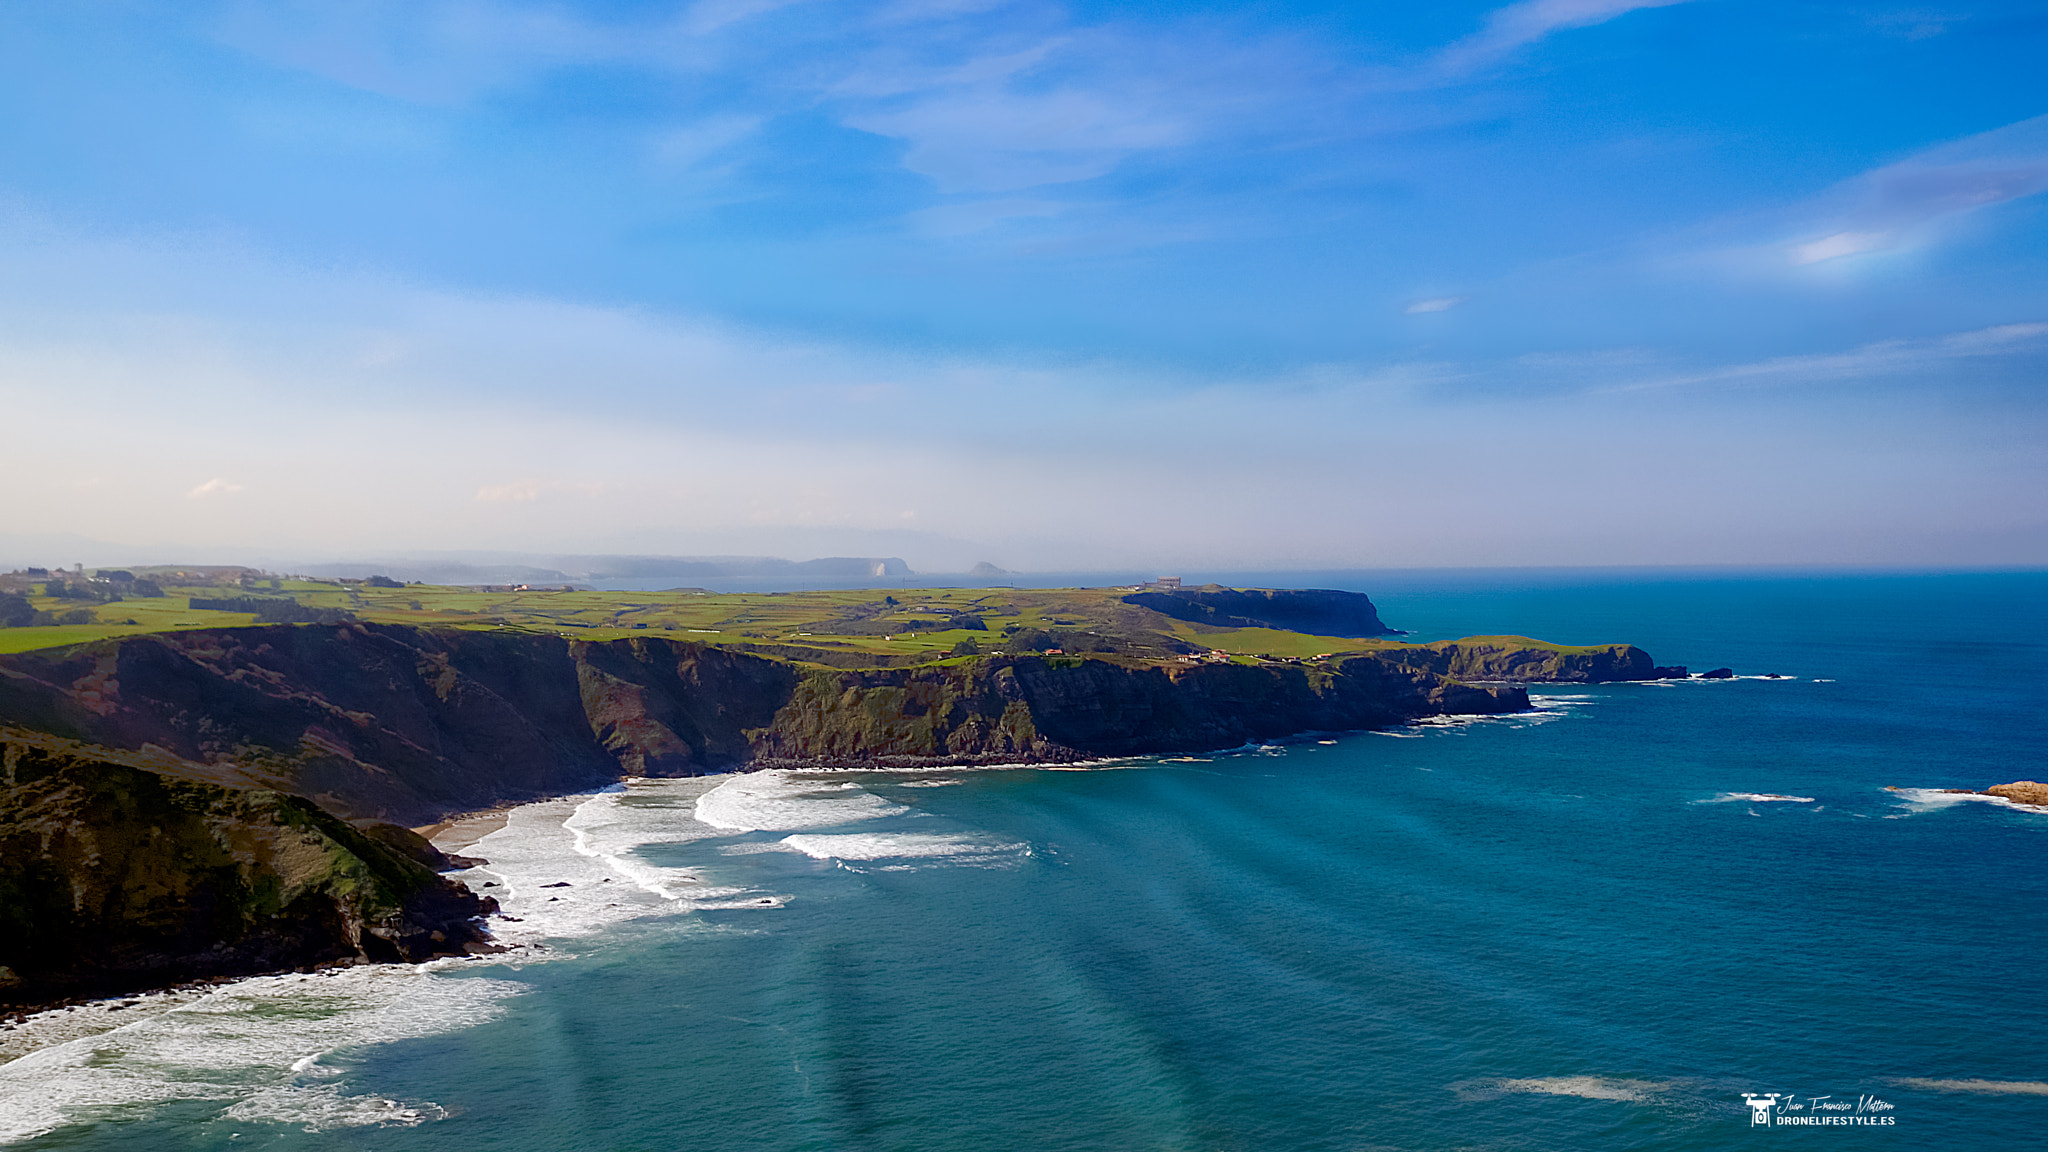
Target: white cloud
x,y
214,487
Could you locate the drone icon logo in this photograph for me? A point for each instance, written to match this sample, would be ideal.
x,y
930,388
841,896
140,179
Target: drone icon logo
x,y
1760,1108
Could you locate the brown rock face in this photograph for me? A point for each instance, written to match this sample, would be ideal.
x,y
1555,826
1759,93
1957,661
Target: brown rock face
x,y
2021,792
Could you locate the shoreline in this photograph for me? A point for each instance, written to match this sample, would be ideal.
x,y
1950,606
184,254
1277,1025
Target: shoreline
x,y
484,820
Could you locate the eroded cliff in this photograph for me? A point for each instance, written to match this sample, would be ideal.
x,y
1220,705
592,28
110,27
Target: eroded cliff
x,y
410,724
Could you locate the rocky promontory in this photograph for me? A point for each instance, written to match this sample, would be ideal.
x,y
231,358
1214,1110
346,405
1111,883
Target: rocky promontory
x,y
124,871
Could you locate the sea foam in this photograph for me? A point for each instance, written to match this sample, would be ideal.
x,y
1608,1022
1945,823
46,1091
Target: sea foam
x,y
1984,1087
778,800
902,845
1758,798
1930,799
1584,1087
248,1044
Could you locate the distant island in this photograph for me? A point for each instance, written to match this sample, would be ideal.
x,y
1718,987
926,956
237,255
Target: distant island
x,y
215,772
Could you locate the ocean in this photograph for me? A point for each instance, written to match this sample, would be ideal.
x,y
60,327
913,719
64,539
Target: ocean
x,y
1601,924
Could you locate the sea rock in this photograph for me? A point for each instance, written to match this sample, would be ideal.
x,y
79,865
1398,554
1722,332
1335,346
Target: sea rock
x,y
2021,792
1719,674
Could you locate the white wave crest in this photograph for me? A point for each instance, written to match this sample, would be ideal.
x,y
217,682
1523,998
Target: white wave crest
x,y
778,800
890,846
1758,798
567,867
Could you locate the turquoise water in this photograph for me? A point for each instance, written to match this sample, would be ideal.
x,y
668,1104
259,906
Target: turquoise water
x,y
1556,931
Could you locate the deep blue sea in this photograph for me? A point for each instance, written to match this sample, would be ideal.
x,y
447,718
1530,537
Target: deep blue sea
x,y
1595,926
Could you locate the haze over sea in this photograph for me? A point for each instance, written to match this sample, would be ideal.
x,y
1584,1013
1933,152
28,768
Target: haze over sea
x,y
1595,925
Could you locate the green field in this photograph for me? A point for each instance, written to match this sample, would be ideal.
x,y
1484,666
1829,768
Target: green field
x,y
898,626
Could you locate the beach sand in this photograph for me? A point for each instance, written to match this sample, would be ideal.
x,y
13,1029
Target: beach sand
x,y
459,832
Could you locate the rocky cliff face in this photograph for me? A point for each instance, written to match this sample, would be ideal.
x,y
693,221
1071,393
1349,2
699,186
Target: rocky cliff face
x,y
398,724
117,872
1520,659
407,724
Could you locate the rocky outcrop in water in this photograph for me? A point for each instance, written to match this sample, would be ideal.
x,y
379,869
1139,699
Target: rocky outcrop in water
x,y
120,872
2021,792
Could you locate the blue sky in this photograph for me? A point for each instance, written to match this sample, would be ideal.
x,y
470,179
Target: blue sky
x,y
1562,281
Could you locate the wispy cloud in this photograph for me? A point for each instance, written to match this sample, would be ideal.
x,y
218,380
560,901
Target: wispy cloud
x,y
1907,204
1868,363
1519,25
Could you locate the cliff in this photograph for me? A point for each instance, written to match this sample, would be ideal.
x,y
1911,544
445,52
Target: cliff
x,y
120,872
1317,611
1067,708
408,724
1520,659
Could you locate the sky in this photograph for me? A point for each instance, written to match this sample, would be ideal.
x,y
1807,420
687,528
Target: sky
x,y
1056,286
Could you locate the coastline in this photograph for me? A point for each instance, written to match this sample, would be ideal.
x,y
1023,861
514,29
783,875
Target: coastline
x,y
481,822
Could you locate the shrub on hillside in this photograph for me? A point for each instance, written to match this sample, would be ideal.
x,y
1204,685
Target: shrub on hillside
x,y
16,611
